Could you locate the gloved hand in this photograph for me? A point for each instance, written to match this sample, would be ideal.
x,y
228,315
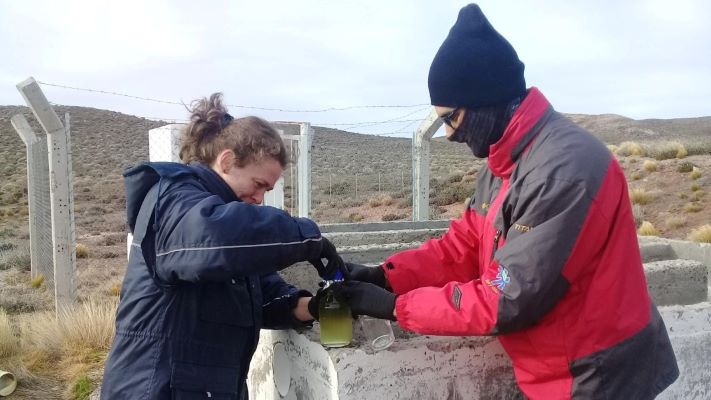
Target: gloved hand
x,y
366,299
363,273
334,262
313,303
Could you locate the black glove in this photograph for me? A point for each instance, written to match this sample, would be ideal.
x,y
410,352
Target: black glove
x,y
313,303
363,273
366,299
334,262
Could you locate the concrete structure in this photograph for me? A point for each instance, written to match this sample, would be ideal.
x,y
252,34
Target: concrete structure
x,y
421,166
60,190
38,201
292,365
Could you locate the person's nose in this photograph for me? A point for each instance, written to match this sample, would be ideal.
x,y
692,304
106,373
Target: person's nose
x,y
258,197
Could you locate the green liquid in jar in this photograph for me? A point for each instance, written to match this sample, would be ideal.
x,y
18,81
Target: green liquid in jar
x,y
335,321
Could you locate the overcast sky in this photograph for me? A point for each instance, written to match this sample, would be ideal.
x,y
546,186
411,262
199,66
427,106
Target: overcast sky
x,y
637,58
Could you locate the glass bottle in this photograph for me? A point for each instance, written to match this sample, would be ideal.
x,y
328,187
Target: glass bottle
x,y
335,318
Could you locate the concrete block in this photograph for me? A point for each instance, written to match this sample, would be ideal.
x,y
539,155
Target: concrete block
x,y
689,329
656,251
677,281
414,367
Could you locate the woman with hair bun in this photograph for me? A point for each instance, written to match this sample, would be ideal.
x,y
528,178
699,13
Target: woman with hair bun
x,y
201,279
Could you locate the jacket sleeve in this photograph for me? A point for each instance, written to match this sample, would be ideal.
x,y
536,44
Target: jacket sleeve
x,y
279,301
202,238
453,257
524,280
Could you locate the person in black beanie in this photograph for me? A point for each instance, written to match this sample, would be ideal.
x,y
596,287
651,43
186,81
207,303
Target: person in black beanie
x,y
545,254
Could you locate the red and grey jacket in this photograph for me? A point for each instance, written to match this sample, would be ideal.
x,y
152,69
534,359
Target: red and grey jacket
x,y
546,257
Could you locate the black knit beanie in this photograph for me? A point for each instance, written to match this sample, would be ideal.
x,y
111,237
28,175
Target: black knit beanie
x,y
475,66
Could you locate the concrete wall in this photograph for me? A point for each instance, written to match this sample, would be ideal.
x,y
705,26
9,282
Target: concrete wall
x,y
291,365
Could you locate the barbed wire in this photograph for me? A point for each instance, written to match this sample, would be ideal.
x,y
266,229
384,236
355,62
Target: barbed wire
x,y
322,110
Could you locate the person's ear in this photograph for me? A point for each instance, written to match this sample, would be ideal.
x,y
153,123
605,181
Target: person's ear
x,y
460,117
225,160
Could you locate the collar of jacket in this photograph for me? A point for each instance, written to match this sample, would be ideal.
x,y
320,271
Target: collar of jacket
x,y
214,183
520,131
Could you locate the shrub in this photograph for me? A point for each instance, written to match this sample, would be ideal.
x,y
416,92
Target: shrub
x,y
636,175
693,208
613,149
393,217
695,187
630,149
649,165
456,177
685,167
355,217
374,202
696,196
695,173
451,194
647,229
668,150
82,250
640,196
17,257
701,234
675,222
387,200
339,188
37,281
405,203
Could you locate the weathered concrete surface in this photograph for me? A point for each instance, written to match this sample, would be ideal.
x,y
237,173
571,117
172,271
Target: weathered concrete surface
x,y
689,328
346,239
677,281
414,367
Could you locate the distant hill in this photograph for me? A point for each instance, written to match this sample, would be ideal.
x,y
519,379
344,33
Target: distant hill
x,y
348,169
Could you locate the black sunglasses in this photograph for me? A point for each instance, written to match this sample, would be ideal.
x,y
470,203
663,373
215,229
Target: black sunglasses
x,y
448,117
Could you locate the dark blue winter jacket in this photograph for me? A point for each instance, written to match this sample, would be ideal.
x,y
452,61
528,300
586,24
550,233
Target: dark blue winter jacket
x,y
200,284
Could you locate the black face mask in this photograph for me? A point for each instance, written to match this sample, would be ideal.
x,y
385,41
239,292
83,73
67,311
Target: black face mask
x,y
483,126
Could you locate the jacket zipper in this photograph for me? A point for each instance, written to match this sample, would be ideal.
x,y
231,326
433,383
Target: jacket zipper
x,y
497,236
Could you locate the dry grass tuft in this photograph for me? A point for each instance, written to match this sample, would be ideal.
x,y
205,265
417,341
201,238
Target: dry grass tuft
x,y
685,167
667,150
71,346
695,187
650,166
640,196
393,217
9,343
701,234
115,290
692,207
695,173
82,250
636,175
37,281
630,149
613,149
355,217
698,195
675,222
374,202
647,229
